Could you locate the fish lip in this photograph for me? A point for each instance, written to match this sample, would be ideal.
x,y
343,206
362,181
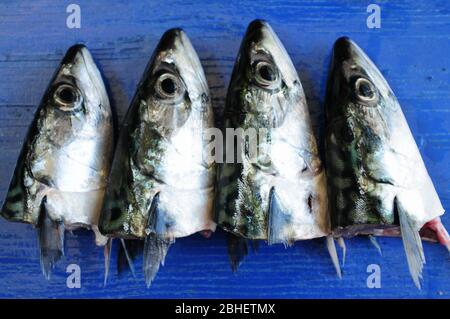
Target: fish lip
x,y
258,24
257,30
345,49
74,51
80,54
170,38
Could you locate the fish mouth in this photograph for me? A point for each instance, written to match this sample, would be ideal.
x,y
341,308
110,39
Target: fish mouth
x,y
345,49
259,27
175,46
73,52
259,32
171,38
79,54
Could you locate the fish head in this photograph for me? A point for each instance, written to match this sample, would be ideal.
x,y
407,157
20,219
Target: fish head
x,y
71,145
174,85
66,156
264,78
158,163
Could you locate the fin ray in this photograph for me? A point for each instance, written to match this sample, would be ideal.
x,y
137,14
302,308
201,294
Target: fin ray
x,y
107,254
128,257
333,254
277,219
51,240
375,243
341,243
155,245
412,244
155,251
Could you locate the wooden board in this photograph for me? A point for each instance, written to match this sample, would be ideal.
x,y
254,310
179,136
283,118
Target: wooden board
x,y
411,49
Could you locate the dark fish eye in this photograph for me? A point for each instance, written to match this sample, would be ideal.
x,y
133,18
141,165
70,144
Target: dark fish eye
x,y
168,86
66,97
365,90
265,74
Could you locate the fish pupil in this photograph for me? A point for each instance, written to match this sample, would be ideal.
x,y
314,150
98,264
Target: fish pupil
x,y
67,95
168,86
365,90
267,73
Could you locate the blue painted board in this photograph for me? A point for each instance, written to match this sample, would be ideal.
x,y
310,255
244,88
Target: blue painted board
x,y
411,48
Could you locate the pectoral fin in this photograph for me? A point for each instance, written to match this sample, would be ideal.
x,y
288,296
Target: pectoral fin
x,y
412,244
155,251
51,240
277,221
155,245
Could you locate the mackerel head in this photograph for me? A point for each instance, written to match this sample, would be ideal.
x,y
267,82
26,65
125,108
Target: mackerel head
x,y
161,187
378,183
277,193
60,177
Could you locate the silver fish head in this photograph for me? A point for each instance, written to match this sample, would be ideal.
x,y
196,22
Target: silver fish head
x,y
60,177
279,193
72,150
377,181
159,157
263,76
160,186
68,148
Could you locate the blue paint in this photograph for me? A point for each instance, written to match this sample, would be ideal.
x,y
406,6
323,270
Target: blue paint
x,y
411,49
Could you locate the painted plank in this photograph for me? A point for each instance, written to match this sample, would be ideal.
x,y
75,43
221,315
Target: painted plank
x,y
411,48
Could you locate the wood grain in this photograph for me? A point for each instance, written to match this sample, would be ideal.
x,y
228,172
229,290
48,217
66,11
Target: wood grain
x,y
411,49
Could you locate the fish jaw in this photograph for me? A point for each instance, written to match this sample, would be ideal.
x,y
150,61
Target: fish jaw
x,y
66,155
160,151
288,167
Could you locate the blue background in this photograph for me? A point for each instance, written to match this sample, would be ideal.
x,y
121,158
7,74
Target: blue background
x,y
411,49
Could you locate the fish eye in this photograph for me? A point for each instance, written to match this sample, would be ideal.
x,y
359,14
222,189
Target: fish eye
x,y
168,86
67,97
365,90
265,74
